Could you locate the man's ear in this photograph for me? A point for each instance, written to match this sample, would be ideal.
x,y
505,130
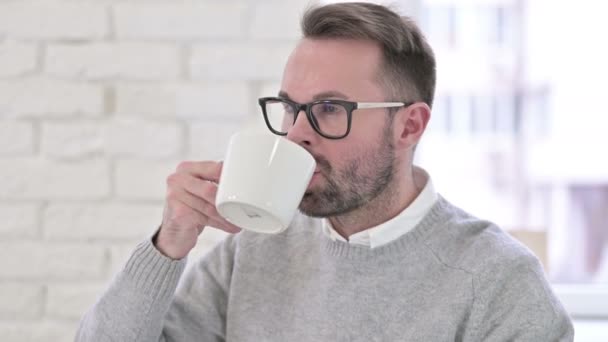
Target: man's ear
x,y
410,123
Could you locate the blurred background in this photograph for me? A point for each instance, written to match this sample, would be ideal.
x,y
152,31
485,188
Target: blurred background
x,y
100,99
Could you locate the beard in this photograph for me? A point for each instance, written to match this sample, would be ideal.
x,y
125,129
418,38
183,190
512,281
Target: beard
x,y
361,179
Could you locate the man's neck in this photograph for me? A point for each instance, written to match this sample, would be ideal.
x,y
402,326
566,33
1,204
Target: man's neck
x,y
393,200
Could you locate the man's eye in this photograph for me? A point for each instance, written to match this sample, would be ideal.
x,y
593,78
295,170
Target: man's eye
x,y
329,108
288,109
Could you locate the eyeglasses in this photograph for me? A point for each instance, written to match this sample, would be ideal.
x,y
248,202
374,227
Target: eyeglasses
x,y
329,118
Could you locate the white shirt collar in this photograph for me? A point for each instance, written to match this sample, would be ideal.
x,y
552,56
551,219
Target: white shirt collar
x,y
398,225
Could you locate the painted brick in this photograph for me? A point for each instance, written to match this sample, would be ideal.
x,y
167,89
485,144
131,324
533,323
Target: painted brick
x,y
49,98
218,100
180,21
145,100
18,220
71,139
193,101
260,61
20,300
280,21
125,137
71,301
42,179
209,141
17,59
141,179
53,20
51,261
101,221
100,61
37,331
130,137
16,138
106,109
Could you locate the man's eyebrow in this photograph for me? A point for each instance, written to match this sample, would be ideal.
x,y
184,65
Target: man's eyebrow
x,y
330,94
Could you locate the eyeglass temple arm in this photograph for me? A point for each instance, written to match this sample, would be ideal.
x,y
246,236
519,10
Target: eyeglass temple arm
x,y
364,105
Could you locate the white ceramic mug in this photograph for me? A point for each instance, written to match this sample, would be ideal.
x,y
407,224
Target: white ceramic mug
x,y
263,180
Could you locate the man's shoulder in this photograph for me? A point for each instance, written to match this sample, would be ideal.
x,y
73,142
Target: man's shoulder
x,y
461,240
508,281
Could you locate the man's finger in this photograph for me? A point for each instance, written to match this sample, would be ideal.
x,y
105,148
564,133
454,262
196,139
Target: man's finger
x,y
207,170
222,224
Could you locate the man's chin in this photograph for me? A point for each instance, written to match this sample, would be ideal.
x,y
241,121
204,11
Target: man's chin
x,y
308,204
312,214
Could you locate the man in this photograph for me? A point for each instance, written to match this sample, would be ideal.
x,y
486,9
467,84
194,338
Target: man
x,y
376,254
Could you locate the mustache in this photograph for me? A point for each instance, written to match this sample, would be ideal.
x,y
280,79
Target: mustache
x,y
322,163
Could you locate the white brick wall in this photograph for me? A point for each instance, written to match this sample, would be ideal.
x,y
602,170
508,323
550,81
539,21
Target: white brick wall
x,y
180,21
43,331
123,61
142,179
277,21
39,260
43,97
21,300
19,220
53,20
69,301
73,139
99,101
16,138
209,140
100,221
232,61
191,101
41,179
17,58
140,138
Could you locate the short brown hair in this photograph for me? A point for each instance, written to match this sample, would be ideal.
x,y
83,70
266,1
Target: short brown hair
x,y
408,66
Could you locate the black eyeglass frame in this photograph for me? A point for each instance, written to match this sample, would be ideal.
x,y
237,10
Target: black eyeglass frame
x,y
307,108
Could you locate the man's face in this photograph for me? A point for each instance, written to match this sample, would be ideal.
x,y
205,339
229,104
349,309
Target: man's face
x,y
358,168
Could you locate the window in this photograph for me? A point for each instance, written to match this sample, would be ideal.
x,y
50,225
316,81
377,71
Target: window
x,y
538,171
518,118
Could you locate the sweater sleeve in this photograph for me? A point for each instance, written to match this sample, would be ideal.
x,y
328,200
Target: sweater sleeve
x,y
146,303
199,309
514,302
134,306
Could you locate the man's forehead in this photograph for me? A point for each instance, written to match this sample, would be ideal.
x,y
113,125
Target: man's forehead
x,y
348,49
318,65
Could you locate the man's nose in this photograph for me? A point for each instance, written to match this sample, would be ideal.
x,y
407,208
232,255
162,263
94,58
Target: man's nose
x,y
302,131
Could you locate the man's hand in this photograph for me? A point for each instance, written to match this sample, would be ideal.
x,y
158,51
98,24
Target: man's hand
x,y
189,207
